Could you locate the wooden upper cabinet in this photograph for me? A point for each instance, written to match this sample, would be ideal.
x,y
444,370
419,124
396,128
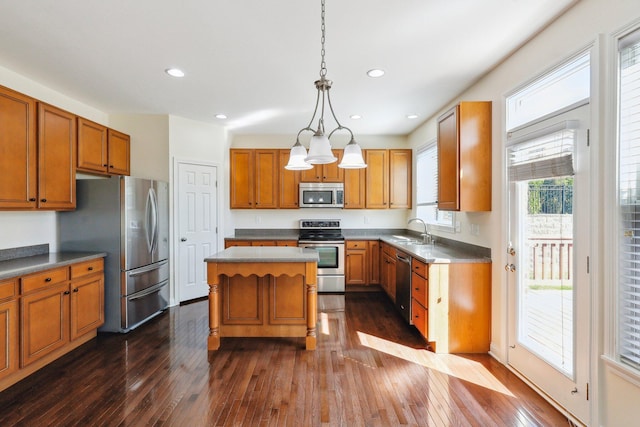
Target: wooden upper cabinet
x,y
400,162
377,179
241,179
119,153
254,178
18,145
56,158
102,150
266,178
289,180
354,188
92,147
464,157
325,173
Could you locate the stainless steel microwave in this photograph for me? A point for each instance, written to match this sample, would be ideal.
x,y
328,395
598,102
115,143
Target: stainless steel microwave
x,y
321,195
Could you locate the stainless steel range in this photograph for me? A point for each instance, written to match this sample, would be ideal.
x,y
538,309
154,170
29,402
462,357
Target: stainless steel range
x,y
325,236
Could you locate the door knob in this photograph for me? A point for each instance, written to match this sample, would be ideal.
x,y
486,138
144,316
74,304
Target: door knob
x,y
510,267
183,239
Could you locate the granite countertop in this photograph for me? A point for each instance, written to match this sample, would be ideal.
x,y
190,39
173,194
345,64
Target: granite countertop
x,y
444,251
264,254
436,254
35,263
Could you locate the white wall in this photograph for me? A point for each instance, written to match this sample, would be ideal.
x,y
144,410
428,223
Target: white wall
x,y
149,143
26,228
615,401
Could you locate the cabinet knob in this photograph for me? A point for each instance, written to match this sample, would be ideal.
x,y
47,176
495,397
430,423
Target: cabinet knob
x,y
111,166
90,268
48,279
76,290
66,292
105,165
43,200
33,199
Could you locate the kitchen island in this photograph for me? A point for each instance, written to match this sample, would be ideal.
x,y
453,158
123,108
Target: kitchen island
x,y
262,292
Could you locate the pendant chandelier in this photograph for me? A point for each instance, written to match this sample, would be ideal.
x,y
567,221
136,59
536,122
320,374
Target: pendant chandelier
x,y
320,147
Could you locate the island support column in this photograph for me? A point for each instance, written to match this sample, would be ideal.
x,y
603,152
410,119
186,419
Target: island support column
x,y
311,281
213,342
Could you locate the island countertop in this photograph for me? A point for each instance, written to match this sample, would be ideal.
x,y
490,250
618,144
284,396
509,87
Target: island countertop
x,y
255,254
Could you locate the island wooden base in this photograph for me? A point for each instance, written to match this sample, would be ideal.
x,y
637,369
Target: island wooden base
x,y
266,299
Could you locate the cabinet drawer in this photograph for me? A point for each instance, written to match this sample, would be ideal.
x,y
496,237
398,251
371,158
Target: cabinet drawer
x,y
8,289
419,317
356,244
419,289
44,279
420,268
88,267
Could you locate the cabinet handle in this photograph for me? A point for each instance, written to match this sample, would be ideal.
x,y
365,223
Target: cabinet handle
x,y
43,200
33,199
76,290
66,292
90,268
111,166
105,165
48,279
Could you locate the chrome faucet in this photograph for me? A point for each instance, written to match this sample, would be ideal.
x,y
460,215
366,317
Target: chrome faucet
x,y
426,236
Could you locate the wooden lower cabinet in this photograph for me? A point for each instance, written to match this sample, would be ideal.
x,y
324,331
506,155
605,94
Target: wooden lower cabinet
x,y
232,242
451,305
46,314
9,343
356,262
265,302
45,322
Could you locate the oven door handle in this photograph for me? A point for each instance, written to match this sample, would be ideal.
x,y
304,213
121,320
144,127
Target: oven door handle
x,y
320,242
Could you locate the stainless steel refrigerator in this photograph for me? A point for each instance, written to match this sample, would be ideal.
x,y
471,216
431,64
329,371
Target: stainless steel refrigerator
x,y
128,218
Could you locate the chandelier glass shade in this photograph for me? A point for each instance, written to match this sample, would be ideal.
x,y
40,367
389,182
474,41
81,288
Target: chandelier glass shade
x,y
320,147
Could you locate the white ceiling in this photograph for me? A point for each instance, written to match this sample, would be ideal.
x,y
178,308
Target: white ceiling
x,y
256,60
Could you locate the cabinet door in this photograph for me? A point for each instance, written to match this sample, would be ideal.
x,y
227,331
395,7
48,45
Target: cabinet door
x,y
312,175
377,179
92,146
241,179
9,343
243,300
289,180
331,172
287,300
266,178
400,179
87,305
373,252
354,188
356,263
18,144
448,161
119,153
56,158
45,322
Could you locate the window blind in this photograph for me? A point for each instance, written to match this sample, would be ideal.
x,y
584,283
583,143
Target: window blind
x,y
544,154
427,175
629,199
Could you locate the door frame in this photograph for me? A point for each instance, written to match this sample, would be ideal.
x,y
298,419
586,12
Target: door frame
x,y
600,107
174,267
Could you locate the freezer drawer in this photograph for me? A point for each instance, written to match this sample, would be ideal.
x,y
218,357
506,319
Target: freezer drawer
x,y
143,305
141,278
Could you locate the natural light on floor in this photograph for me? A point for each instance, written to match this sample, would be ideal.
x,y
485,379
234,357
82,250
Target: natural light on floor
x,y
449,364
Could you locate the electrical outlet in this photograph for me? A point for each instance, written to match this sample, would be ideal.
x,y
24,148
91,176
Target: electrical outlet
x,y
457,226
474,229
258,219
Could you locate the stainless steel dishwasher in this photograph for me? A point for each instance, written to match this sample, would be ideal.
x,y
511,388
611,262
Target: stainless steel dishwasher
x,y
403,284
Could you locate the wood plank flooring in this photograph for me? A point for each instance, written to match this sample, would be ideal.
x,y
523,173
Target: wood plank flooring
x,y
370,369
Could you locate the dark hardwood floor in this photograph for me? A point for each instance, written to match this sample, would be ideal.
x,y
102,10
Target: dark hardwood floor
x,y
370,369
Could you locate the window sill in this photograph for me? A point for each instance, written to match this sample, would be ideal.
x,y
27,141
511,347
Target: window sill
x,y
623,371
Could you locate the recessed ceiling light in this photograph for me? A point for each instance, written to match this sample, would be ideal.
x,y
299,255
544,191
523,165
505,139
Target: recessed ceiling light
x,y
356,116
375,72
174,72
221,116
412,116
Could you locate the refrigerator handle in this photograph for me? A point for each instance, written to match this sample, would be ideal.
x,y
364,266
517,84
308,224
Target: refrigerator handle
x,y
156,219
151,219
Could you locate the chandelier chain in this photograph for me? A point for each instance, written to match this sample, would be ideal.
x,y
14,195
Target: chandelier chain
x,y
323,64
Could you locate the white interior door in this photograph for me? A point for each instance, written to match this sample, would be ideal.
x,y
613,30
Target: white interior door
x,y
548,278
197,231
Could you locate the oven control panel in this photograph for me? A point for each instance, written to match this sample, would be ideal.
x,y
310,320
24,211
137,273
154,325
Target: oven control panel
x,y
319,223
